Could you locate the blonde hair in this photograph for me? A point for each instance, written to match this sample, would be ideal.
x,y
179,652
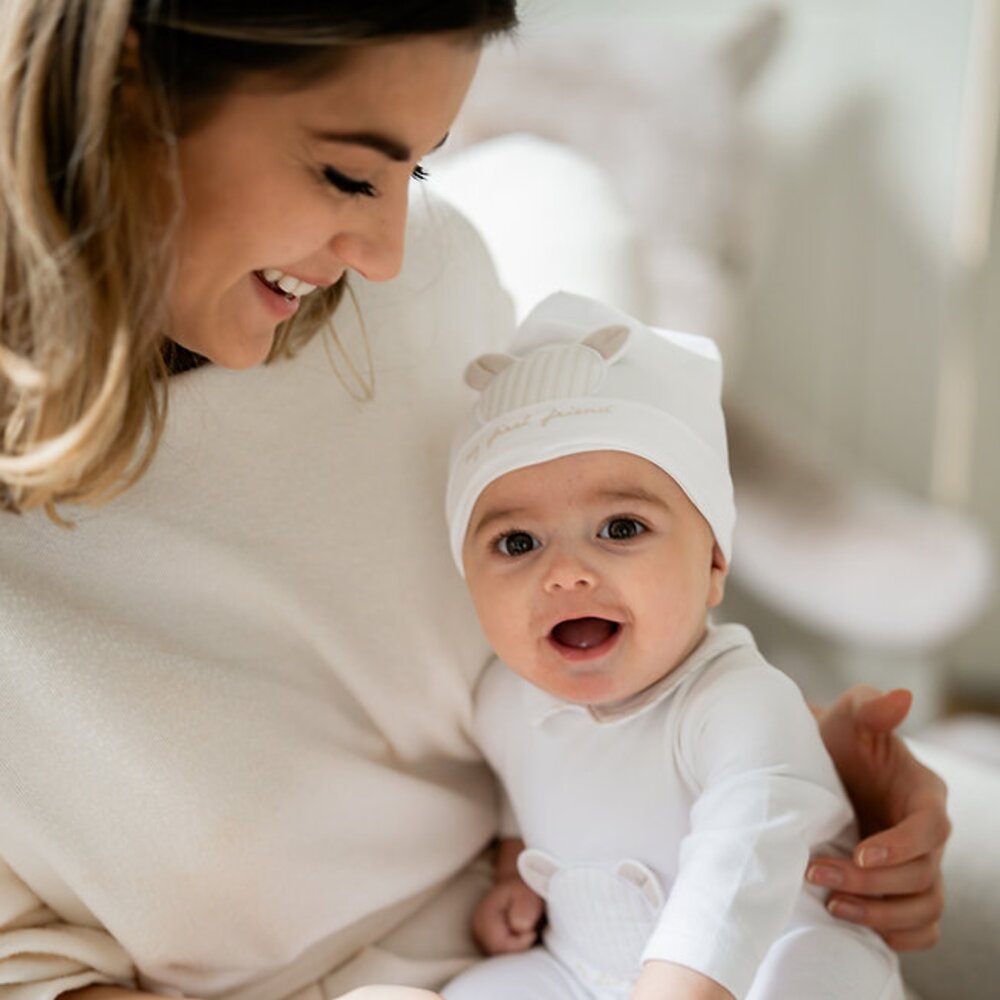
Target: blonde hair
x,y
81,317
88,206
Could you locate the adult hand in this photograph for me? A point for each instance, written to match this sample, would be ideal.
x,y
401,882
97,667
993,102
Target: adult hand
x,y
892,883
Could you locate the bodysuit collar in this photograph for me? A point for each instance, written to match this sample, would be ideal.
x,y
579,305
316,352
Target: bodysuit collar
x,y
718,639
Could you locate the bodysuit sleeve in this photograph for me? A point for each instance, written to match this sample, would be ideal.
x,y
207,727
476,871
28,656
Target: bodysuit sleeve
x,y
41,956
765,793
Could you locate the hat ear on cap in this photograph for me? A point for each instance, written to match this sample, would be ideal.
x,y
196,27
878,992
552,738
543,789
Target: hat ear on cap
x,y
610,341
485,368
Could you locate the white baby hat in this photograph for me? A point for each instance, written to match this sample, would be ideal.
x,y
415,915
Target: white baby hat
x,y
583,376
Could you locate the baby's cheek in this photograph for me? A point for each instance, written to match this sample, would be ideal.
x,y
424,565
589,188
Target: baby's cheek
x,y
506,631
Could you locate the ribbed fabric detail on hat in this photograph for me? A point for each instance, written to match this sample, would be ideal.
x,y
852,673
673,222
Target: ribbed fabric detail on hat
x,y
659,398
558,372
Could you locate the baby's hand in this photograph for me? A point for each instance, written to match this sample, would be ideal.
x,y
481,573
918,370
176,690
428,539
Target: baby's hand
x,y
506,919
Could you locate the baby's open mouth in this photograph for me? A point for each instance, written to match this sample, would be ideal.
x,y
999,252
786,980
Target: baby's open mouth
x,y
583,633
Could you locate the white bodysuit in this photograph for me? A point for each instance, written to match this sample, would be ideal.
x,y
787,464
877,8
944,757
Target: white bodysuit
x,y
676,826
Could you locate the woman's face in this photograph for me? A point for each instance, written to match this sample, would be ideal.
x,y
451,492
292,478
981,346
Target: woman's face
x,y
298,187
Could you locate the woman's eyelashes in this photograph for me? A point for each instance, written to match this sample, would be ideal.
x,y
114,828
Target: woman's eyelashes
x,y
353,186
348,185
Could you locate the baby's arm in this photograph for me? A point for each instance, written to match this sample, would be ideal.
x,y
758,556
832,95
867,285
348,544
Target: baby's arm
x,y
765,792
506,919
668,981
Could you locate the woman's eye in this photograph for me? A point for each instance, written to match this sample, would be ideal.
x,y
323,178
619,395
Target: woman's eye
x,y
621,528
517,543
349,185
420,172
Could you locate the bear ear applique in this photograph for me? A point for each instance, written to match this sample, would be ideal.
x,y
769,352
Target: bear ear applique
x,y
485,368
537,868
610,342
643,879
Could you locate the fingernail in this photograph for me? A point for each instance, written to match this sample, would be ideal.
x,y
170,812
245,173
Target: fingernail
x,y
845,910
825,875
872,856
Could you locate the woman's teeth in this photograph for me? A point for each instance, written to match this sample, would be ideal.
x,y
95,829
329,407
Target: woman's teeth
x,y
286,283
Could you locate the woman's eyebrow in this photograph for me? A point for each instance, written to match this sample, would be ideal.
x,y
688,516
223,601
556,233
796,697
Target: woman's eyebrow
x,y
379,141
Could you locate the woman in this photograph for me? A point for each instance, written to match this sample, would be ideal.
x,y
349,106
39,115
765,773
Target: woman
x,y
235,696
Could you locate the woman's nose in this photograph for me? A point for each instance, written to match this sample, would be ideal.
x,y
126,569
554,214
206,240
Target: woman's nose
x,y
373,246
566,570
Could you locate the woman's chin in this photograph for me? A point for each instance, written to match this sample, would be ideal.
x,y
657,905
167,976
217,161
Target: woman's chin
x,y
236,352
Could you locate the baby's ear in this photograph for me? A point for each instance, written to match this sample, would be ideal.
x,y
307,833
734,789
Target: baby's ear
x,y
609,341
537,868
485,368
717,580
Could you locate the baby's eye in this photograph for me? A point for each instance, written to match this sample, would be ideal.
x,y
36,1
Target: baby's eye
x,y
516,543
621,528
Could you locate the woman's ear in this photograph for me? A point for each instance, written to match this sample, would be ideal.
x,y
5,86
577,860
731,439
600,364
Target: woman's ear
x,y
717,577
132,81
130,65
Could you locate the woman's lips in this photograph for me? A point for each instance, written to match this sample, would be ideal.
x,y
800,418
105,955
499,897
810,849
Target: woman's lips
x,y
280,304
584,638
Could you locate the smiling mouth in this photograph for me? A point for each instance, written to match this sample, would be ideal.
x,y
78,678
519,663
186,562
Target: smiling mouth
x,y
584,634
291,288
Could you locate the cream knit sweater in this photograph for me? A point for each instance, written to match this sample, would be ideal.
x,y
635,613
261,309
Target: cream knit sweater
x,y
234,704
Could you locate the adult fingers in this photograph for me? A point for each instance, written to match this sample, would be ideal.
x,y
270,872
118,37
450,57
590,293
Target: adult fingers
x,y
841,875
908,921
915,940
881,712
924,831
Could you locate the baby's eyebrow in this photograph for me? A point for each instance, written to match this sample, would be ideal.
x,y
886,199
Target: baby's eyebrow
x,y
494,516
630,494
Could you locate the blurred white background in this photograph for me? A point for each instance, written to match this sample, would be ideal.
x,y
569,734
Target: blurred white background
x,y
862,319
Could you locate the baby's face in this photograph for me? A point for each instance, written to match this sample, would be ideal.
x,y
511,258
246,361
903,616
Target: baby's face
x,y
592,574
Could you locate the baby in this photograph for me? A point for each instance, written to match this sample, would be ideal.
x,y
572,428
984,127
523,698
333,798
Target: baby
x,y
668,783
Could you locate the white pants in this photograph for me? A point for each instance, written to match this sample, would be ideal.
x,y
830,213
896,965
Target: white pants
x,y
809,963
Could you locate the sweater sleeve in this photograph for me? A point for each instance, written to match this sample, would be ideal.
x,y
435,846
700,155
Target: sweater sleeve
x,y
766,792
41,956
